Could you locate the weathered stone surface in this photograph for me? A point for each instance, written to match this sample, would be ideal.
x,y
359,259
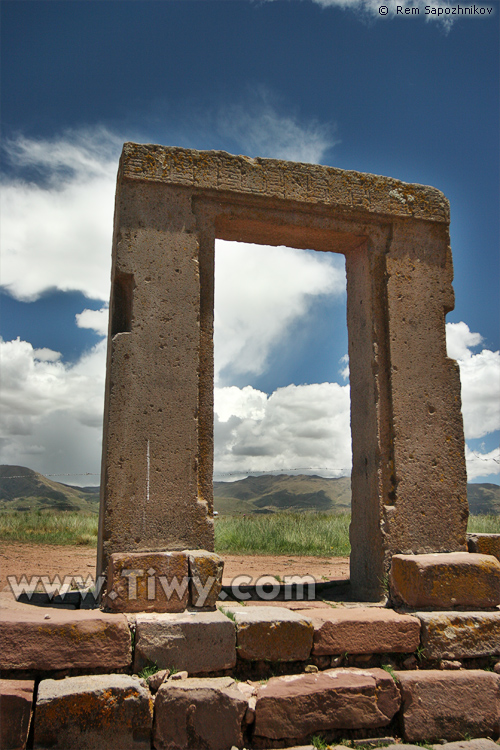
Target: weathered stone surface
x,y
364,630
16,706
205,571
101,712
271,633
199,713
484,544
449,705
42,638
293,706
405,392
459,635
148,582
195,641
482,743
445,581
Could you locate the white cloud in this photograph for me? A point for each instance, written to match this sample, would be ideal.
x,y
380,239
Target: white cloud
x,y
296,427
96,320
482,464
480,377
261,130
51,412
56,232
259,292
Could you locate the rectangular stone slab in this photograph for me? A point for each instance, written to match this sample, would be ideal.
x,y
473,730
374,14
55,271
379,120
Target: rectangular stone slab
x,y
108,712
197,642
45,638
296,705
441,705
484,544
16,706
147,582
271,633
363,630
205,713
459,635
445,581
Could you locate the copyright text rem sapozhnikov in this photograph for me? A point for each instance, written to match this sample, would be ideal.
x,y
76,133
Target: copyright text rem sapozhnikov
x,y
448,10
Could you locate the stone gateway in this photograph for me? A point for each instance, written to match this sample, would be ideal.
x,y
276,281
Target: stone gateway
x,y
408,476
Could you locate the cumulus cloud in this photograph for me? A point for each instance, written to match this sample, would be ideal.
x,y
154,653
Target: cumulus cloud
x,y
51,412
480,377
57,222
96,320
303,427
262,130
259,292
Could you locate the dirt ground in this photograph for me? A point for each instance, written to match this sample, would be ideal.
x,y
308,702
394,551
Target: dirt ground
x,y
51,560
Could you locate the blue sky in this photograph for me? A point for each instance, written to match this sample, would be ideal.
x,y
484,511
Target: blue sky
x,y
326,81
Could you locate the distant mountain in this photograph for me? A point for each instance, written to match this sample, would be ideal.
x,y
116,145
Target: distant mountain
x,y
24,489
484,499
270,494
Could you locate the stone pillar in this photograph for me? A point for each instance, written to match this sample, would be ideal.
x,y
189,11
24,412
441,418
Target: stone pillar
x,y
430,511
409,484
158,404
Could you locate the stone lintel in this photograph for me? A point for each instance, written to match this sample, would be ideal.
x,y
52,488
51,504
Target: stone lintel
x,y
274,179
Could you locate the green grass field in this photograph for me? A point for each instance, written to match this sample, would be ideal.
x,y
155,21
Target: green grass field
x,y
315,534
45,527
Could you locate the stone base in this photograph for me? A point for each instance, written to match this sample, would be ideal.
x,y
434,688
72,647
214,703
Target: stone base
x,y
449,705
102,711
441,581
484,544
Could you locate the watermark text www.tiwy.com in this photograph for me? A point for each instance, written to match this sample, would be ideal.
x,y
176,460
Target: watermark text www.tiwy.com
x,y
438,11
241,588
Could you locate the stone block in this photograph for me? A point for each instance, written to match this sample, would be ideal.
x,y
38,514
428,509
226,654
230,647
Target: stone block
x,y
205,573
481,743
294,706
484,544
449,705
271,633
148,582
42,638
455,580
99,711
363,630
16,707
198,642
459,635
199,713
